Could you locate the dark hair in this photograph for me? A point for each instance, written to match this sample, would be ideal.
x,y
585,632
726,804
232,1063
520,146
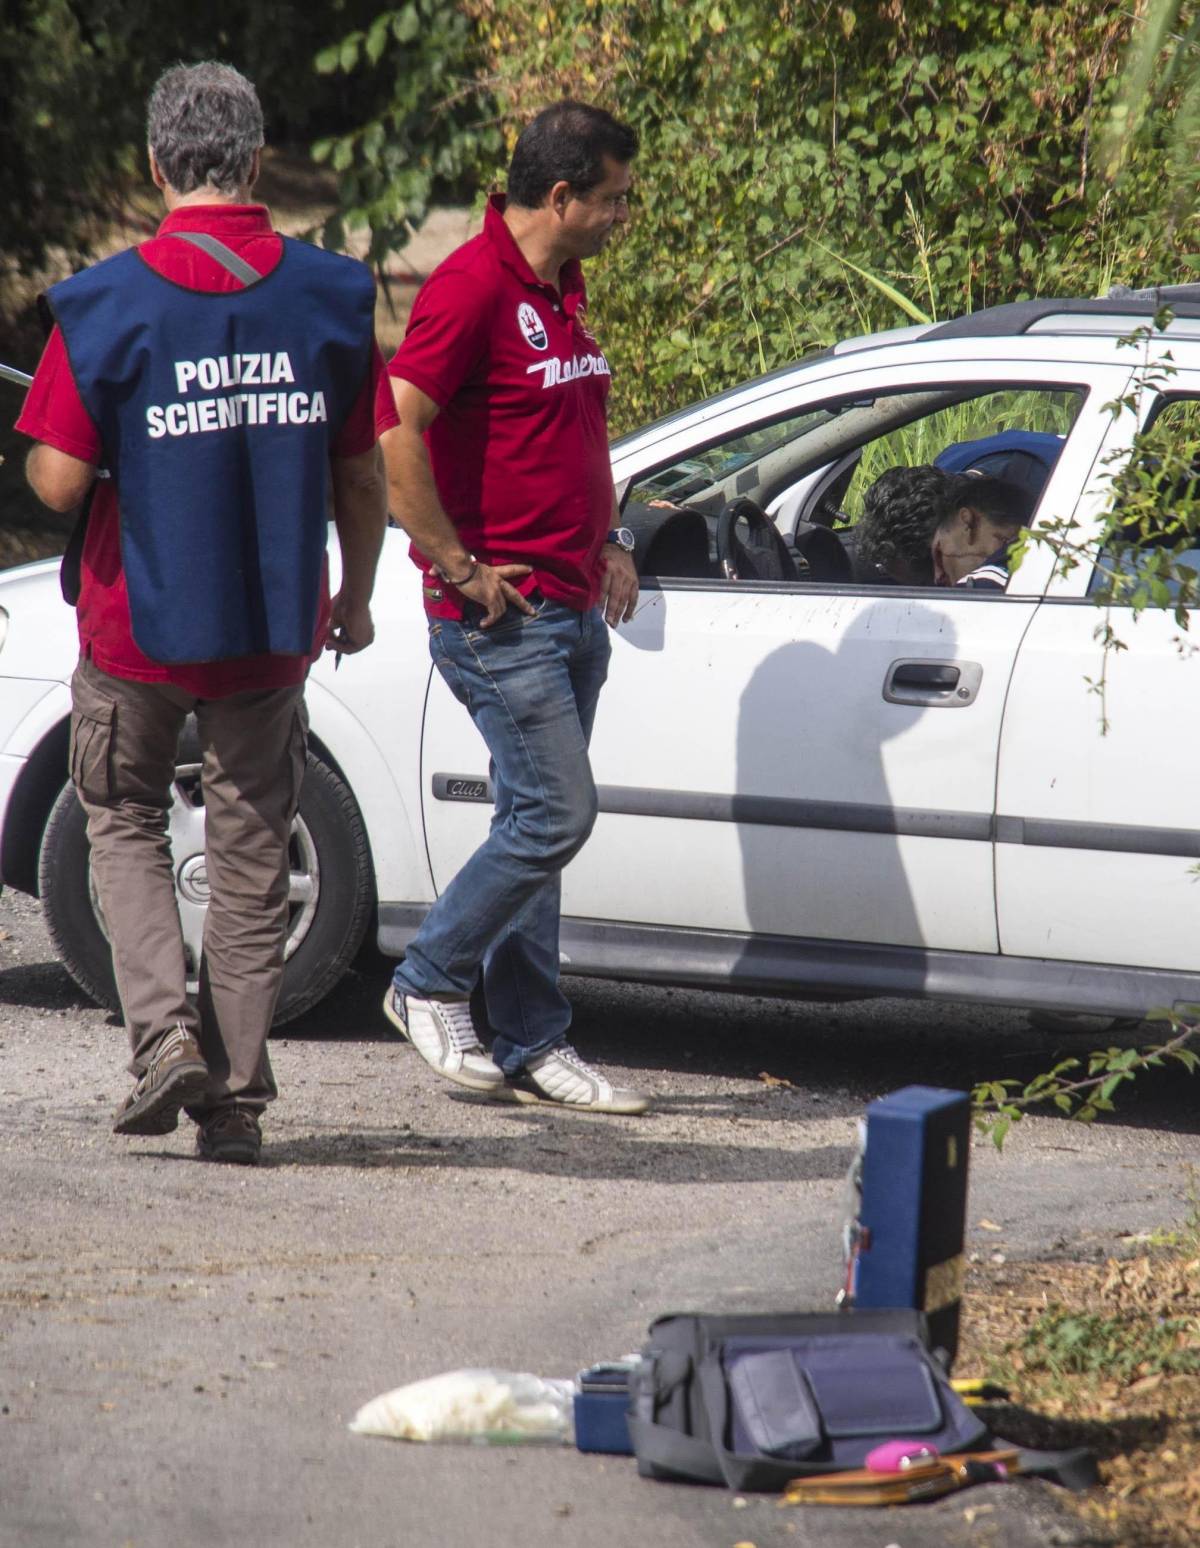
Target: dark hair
x,y
1005,504
204,124
902,510
566,143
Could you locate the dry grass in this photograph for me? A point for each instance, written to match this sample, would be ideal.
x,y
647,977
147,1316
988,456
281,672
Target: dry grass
x,y
1142,1421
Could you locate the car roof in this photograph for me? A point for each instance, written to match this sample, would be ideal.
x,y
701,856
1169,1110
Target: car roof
x,y
1115,315
1119,312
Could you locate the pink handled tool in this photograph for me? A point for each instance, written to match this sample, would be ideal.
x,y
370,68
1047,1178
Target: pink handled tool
x,y
900,1456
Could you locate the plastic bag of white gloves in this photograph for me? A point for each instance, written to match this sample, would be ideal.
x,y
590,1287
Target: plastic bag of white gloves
x,y
491,1408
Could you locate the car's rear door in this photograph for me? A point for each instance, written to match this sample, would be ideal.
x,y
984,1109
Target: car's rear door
x,y
1097,825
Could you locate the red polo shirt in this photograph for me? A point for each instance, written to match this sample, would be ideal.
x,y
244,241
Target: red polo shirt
x,y
54,413
520,448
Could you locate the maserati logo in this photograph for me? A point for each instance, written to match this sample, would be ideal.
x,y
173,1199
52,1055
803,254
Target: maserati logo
x,y
531,326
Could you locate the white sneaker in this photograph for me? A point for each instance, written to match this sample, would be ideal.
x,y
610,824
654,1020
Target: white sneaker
x,y
444,1034
561,1077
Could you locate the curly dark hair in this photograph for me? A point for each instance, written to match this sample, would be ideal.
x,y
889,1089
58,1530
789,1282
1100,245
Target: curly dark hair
x,y
902,510
1003,503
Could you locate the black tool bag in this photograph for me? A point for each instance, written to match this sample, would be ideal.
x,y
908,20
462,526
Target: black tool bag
x,y
755,1401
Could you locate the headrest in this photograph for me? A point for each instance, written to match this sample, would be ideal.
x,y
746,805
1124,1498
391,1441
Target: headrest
x,y
1022,457
668,541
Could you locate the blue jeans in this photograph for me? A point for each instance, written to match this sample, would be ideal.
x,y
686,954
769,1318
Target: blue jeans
x,y
531,685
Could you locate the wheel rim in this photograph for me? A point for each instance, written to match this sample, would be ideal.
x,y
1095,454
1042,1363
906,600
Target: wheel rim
x,y
185,833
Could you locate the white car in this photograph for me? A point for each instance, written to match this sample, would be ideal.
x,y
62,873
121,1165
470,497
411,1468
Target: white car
x,y
818,786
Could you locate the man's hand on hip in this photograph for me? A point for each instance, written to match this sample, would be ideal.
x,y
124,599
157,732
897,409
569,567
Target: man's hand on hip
x,y
619,590
491,587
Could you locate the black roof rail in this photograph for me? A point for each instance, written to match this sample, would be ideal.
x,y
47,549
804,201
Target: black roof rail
x,y
1020,316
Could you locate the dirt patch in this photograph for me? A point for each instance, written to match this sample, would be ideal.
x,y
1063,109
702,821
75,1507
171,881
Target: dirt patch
x,y
1093,1354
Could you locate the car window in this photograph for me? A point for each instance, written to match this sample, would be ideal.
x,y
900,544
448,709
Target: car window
x,y
729,464
789,493
1006,412
1169,460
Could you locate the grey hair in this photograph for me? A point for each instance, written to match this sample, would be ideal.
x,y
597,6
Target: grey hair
x,y
204,124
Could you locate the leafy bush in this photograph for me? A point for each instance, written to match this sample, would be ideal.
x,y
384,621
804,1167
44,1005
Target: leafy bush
x,y
429,127
74,78
807,170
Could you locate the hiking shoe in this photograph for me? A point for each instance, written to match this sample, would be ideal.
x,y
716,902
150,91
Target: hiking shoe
x,y
232,1134
177,1073
443,1033
562,1078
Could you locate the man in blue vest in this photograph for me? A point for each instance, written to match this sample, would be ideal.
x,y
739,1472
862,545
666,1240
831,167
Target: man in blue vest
x,y
222,377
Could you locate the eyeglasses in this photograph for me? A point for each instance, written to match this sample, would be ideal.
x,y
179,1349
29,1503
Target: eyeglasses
x,y
613,201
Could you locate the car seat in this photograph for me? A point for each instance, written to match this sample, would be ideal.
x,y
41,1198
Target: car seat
x,y
821,554
670,541
1022,457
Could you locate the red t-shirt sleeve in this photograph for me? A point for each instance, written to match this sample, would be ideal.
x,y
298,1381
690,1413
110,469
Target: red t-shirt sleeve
x,y
447,338
386,417
54,411
364,423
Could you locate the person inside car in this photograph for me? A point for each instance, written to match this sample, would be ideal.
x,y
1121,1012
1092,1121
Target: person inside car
x,y
901,512
973,542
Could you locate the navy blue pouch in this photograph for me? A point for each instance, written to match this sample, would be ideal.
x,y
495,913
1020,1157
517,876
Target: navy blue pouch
x,y
831,1399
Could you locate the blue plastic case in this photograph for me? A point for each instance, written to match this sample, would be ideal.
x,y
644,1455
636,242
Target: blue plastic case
x,y
601,1403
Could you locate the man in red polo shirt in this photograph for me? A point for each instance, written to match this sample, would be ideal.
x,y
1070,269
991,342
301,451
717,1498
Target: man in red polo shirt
x,y
499,472
220,375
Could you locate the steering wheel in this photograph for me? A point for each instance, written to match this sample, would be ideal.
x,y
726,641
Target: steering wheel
x,y
749,546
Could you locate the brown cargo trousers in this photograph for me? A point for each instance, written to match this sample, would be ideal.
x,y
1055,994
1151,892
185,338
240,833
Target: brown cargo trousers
x,y
124,736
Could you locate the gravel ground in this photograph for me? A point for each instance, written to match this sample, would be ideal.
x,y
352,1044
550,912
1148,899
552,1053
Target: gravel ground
x,y
183,1344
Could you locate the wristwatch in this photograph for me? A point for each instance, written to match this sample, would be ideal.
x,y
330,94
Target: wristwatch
x,y
622,538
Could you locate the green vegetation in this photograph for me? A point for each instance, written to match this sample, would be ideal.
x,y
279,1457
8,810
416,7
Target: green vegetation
x,y
429,130
990,414
1071,1342
74,77
1082,1089
808,169
811,170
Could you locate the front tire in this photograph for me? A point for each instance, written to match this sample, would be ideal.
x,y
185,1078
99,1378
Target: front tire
x,y
331,891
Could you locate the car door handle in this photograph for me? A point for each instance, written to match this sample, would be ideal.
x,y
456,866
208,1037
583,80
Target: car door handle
x,y
933,684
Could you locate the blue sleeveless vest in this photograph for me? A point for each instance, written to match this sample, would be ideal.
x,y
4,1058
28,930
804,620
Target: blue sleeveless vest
x,y
216,412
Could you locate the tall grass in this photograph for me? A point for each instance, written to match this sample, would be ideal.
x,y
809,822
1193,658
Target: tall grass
x,y
1023,409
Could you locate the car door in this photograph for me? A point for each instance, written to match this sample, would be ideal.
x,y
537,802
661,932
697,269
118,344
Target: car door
x,y
1097,828
794,760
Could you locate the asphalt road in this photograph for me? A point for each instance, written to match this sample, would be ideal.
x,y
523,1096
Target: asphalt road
x,y
183,1344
